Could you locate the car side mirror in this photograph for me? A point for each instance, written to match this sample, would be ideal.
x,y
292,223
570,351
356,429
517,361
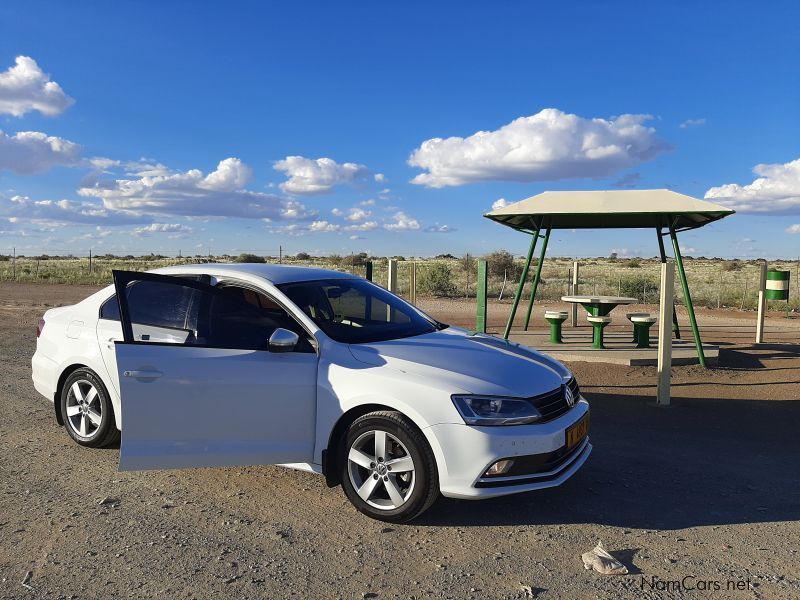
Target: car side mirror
x,y
283,340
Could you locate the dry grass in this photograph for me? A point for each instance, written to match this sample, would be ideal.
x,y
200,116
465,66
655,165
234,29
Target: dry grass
x,y
714,282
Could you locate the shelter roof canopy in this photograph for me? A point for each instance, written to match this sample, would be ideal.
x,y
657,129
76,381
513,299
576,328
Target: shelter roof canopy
x,y
609,210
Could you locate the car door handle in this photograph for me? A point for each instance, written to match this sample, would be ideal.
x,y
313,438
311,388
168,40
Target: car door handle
x,y
110,342
143,374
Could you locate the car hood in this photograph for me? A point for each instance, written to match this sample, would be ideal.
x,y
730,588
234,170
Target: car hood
x,y
467,362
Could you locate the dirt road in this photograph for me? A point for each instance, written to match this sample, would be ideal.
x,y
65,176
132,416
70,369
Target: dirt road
x,y
694,496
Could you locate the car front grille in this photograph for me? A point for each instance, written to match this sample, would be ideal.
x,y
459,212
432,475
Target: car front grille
x,y
552,404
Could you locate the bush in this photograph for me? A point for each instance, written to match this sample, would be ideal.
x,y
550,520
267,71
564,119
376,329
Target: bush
x,y
636,286
249,258
633,263
732,265
436,280
302,256
501,262
468,263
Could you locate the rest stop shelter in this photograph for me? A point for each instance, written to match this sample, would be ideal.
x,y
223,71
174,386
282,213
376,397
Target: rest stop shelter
x,y
665,211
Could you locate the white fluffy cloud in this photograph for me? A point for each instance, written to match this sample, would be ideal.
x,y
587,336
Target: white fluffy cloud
x,y
777,190
174,230
692,123
402,222
29,152
365,226
547,146
323,227
439,229
191,193
500,203
25,87
308,176
58,212
357,214
793,228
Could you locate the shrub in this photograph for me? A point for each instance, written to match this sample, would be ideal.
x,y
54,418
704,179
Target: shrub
x,y
302,256
635,286
437,280
501,262
249,258
732,265
468,263
633,263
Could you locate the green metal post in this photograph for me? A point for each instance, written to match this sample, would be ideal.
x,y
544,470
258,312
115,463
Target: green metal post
x,y
537,277
482,284
521,285
676,329
687,297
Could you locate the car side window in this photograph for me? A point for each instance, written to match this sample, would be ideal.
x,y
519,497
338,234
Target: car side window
x,y
238,314
110,309
223,317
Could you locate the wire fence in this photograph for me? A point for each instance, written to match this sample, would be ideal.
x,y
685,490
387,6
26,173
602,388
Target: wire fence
x,y
713,283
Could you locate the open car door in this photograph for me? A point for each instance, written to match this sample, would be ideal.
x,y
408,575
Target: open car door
x,y
199,386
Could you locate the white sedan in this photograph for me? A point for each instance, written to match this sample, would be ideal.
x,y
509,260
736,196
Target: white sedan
x,y
226,365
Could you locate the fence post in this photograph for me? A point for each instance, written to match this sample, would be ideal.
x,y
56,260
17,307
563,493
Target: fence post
x,y
481,285
762,303
575,279
368,274
90,262
665,333
391,276
412,284
14,263
391,285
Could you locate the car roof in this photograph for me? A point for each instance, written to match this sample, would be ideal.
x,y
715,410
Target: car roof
x,y
276,274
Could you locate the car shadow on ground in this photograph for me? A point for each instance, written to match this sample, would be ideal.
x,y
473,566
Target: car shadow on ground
x,y
699,462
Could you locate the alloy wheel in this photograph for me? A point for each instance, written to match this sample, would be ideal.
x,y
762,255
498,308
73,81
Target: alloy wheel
x,y
84,409
381,470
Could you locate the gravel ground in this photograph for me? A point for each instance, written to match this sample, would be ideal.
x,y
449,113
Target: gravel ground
x,y
707,490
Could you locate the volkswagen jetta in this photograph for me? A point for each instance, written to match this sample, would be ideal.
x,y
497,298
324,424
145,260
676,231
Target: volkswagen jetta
x,y
224,365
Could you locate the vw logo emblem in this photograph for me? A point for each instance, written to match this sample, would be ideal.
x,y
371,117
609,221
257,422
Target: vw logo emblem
x,y
570,398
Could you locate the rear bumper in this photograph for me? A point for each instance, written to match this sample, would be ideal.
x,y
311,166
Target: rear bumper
x,y
469,451
44,373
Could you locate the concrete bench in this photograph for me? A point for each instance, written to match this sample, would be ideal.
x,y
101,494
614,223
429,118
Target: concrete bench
x,y
555,318
641,330
630,316
598,324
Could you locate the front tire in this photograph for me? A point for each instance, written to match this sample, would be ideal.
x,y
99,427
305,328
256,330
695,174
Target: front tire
x,y
388,469
87,411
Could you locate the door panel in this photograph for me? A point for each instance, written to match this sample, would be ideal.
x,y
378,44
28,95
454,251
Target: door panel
x,y
214,407
195,401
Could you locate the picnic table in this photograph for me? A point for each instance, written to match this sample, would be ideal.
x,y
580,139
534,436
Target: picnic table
x,y
599,306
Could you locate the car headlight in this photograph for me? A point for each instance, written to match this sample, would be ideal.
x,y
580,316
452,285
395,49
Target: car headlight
x,y
495,410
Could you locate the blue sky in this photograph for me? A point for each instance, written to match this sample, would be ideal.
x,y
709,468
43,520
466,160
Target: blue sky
x,y
246,126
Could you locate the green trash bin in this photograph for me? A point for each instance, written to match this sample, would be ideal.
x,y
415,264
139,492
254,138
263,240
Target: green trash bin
x,y
777,285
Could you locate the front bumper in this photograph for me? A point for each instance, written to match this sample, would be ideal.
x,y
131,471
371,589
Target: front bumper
x,y
466,453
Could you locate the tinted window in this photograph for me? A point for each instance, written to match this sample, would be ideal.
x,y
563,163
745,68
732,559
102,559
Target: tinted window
x,y
110,309
224,317
356,311
160,304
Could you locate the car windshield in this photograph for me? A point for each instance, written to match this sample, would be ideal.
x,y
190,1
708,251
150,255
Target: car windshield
x,y
355,311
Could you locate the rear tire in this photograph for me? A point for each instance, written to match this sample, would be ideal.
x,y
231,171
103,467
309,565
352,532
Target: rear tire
x,y
87,411
388,470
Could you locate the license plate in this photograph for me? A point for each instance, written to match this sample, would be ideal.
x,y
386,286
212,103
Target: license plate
x,y
578,431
